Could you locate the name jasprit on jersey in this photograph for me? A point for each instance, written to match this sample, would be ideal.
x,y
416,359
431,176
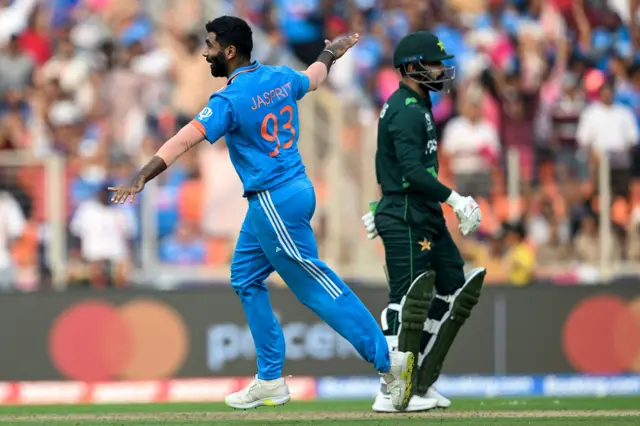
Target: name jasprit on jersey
x,y
273,95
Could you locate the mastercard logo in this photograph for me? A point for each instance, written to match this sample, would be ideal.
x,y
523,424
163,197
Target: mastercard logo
x,y
141,340
602,335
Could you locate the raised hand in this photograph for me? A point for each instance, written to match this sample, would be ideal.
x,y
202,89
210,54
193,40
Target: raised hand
x,y
340,46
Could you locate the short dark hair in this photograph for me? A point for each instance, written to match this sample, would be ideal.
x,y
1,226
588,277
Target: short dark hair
x,y
232,31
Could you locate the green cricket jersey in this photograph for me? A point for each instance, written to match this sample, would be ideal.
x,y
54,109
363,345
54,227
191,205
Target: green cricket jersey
x,y
407,155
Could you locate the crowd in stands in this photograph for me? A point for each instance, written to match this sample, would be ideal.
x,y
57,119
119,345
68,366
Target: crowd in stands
x,y
553,84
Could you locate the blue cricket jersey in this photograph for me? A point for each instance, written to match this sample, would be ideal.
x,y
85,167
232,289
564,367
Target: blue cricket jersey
x,y
257,112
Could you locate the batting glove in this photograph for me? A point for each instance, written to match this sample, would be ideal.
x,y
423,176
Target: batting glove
x,y
467,211
370,225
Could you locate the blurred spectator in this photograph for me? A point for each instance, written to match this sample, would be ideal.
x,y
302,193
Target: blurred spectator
x,y
489,255
223,206
633,236
193,81
104,231
520,256
565,115
12,226
77,270
14,15
610,129
13,128
472,145
183,247
556,251
588,246
302,23
125,102
541,225
166,203
16,70
35,41
16,77
367,54
71,72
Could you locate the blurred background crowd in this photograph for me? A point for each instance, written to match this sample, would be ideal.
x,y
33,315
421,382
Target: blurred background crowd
x,y
545,89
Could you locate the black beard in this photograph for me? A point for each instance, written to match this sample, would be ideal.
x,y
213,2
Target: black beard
x,y
218,65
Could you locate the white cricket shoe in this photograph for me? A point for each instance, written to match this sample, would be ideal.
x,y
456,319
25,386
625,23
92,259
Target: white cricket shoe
x,y
383,404
399,378
260,393
443,402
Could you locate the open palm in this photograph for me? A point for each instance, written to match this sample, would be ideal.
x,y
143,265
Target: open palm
x,y
340,46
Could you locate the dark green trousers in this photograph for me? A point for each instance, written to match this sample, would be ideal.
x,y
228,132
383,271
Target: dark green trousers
x,y
416,239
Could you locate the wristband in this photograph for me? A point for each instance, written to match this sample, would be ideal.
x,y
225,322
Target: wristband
x,y
332,54
327,57
453,199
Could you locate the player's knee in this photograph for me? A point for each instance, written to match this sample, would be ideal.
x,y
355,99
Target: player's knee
x,y
239,281
450,281
245,288
458,278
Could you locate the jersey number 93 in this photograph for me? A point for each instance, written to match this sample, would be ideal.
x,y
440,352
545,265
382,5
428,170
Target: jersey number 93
x,y
271,125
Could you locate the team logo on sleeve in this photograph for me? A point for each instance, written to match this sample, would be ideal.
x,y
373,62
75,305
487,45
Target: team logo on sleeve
x,y
384,110
205,113
432,146
429,122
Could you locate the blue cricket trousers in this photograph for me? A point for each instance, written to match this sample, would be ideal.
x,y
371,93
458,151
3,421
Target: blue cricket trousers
x,y
276,235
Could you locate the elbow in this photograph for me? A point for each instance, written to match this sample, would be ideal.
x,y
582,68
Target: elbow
x,y
416,179
313,86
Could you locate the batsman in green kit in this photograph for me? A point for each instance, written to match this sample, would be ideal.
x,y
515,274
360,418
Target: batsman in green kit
x,y
430,297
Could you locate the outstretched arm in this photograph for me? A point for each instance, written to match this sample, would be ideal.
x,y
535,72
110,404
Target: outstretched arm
x,y
212,123
319,70
317,73
188,137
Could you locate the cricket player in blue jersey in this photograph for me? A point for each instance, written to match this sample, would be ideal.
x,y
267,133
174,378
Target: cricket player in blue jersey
x,y
257,113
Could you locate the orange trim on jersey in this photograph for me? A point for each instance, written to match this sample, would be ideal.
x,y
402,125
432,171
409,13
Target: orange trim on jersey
x,y
243,71
200,127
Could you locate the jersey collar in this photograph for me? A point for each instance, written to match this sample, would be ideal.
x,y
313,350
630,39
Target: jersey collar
x,y
425,101
251,67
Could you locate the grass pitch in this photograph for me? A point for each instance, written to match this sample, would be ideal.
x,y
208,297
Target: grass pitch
x,y
613,411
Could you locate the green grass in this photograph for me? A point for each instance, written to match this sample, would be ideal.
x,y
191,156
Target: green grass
x,y
591,421
477,412
463,404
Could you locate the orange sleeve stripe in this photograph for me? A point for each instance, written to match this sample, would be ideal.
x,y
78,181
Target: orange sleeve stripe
x,y
200,127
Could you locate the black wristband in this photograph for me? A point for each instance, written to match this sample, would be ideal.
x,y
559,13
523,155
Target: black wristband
x,y
327,57
153,168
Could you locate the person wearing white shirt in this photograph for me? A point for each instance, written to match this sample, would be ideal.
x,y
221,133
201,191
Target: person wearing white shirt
x,y
472,145
12,225
104,232
610,129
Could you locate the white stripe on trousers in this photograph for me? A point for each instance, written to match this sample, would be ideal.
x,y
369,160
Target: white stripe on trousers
x,y
319,272
290,248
